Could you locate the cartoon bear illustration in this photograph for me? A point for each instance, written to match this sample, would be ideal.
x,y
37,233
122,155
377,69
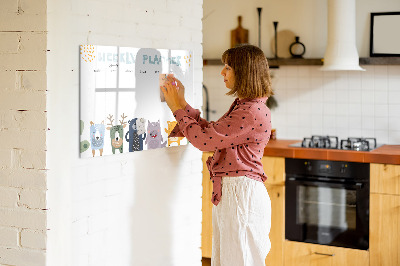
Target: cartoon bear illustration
x,y
117,133
171,126
154,139
137,134
97,137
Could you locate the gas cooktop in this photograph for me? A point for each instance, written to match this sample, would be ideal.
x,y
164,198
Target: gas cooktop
x,y
332,142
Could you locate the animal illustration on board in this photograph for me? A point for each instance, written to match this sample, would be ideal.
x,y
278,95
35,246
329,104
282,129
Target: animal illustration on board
x,y
137,134
154,138
117,133
171,126
84,144
97,132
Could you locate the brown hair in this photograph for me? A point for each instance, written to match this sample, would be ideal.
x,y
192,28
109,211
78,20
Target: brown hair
x,y
250,66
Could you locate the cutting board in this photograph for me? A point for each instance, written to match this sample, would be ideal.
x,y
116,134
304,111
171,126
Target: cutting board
x,y
239,35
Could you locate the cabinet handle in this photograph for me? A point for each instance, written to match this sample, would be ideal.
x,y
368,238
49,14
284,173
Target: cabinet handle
x,y
324,254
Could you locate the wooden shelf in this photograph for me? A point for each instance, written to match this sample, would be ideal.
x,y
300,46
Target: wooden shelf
x,y
380,61
273,63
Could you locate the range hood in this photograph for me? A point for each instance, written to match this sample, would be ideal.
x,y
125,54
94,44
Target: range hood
x,y
341,51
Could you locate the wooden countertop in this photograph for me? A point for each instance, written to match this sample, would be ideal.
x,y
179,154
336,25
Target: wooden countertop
x,y
389,154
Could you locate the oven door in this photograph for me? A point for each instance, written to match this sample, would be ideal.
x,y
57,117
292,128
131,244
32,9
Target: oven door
x,y
327,213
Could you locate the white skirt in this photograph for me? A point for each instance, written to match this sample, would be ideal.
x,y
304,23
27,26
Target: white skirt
x,y
241,223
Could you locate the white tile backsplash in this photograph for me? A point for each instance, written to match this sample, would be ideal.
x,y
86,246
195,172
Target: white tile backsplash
x,y
343,103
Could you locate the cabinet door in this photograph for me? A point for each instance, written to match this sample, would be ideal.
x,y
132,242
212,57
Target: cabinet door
x,y
304,254
385,178
277,233
384,230
274,168
206,226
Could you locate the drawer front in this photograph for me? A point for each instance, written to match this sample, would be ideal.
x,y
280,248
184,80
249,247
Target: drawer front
x,y
297,253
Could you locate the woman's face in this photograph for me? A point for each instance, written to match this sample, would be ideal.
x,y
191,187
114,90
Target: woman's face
x,y
229,76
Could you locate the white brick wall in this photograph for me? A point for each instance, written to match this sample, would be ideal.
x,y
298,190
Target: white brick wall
x,y
141,208
23,128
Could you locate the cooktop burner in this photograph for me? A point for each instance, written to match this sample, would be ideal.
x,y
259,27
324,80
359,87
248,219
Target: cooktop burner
x,y
332,142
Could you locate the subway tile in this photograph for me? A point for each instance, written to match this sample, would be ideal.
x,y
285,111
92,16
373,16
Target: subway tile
x,y
329,94
292,82
355,109
304,72
394,71
354,83
394,110
291,71
380,97
342,109
368,122
355,122
342,96
367,96
381,123
355,96
380,71
394,137
382,136
381,110
367,83
380,84
394,97
367,110
394,83
342,121
329,109
367,133
355,132
303,82
394,123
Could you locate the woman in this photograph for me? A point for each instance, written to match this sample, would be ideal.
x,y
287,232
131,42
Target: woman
x,y
242,212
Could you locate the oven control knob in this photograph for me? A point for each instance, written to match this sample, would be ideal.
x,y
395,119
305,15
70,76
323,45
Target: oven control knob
x,y
343,168
308,166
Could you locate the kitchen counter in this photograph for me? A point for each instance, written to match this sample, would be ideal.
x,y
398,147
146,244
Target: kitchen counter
x,y
389,154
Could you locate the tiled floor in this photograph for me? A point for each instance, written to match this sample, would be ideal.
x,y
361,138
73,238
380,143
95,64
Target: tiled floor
x,y
206,261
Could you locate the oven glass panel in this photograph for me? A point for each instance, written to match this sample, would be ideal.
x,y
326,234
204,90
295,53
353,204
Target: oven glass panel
x,y
326,207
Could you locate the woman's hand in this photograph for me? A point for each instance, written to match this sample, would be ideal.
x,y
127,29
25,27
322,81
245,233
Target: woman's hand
x,y
171,95
181,90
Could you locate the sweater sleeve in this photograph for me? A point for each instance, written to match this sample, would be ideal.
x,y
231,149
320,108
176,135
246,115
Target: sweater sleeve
x,y
229,131
193,113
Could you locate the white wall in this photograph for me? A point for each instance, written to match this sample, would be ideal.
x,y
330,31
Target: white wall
x,y
311,102
23,133
306,19
141,208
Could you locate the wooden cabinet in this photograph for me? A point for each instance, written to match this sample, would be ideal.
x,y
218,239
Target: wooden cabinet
x,y
385,215
277,233
385,178
206,226
274,168
304,254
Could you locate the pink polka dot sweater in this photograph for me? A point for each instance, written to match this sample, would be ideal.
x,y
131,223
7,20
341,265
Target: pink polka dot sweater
x,y
238,139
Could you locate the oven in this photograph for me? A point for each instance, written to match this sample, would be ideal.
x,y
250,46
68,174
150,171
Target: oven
x,y
327,202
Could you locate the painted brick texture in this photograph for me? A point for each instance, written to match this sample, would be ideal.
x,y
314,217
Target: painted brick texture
x,y
23,125
141,208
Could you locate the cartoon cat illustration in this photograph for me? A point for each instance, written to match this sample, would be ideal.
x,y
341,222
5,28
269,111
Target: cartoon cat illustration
x,y
171,126
137,134
97,137
154,139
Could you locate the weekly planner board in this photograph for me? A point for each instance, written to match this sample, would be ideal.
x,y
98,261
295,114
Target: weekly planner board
x,y
122,108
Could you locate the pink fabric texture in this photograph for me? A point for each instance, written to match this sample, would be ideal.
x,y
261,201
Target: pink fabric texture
x,y
238,139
